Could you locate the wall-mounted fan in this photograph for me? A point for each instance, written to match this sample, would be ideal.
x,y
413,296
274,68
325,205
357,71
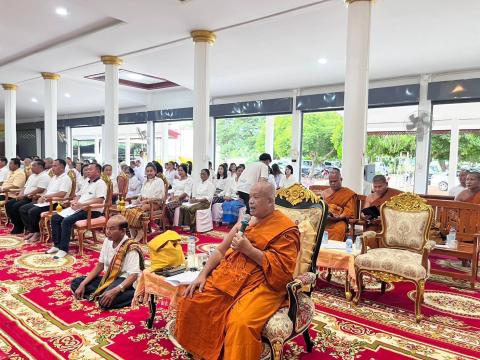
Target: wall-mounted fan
x,y
418,122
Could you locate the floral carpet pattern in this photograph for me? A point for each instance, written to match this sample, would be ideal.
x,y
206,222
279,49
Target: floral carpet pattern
x,y
39,319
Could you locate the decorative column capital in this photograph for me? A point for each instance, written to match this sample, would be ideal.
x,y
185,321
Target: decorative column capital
x,y
348,2
111,60
11,87
50,76
203,36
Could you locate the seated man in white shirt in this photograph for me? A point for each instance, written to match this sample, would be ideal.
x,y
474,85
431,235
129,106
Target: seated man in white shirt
x,y
59,187
36,184
121,260
3,169
462,177
92,193
202,195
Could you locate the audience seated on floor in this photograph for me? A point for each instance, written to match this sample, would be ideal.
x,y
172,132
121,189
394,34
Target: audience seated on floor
x,y
242,285
59,187
153,191
202,195
36,184
472,193
341,206
15,179
94,191
232,204
121,261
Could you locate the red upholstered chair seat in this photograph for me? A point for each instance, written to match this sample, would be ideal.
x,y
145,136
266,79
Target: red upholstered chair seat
x,y
99,221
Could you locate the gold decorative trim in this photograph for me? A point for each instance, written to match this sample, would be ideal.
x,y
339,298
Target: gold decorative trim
x,y
111,60
11,87
203,36
50,76
408,202
386,277
297,193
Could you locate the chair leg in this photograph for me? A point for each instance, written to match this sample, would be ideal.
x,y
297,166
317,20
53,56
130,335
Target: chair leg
x,y
383,287
359,276
81,234
277,348
152,306
308,340
329,275
418,300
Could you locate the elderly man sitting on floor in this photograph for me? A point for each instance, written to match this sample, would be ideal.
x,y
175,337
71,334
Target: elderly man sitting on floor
x,y
121,260
242,285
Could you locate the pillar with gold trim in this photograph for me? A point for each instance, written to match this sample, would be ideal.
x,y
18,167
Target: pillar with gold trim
x,y
10,120
356,93
203,40
50,114
109,144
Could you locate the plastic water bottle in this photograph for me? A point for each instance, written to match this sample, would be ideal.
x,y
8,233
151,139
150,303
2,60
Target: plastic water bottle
x,y
325,237
358,244
452,237
349,244
191,252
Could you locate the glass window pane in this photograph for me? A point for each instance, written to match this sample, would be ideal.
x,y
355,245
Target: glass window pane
x,y
179,146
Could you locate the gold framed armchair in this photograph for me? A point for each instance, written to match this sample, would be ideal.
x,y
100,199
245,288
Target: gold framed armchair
x,y
403,249
309,212
8,194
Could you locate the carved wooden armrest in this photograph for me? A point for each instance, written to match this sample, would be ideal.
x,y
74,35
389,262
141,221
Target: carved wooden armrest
x,y
295,287
365,236
429,246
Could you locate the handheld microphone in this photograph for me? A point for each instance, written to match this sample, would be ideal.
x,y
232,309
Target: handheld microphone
x,y
245,221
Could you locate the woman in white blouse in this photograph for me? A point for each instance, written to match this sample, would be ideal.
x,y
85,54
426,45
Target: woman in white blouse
x,y
151,196
202,196
232,204
181,190
134,185
220,183
170,172
277,175
108,171
288,180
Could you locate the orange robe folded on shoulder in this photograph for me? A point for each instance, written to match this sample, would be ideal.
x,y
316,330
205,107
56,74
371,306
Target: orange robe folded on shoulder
x,y
475,199
340,203
227,318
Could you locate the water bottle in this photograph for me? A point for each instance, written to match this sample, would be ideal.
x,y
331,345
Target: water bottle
x,y
452,237
349,244
358,244
325,237
191,252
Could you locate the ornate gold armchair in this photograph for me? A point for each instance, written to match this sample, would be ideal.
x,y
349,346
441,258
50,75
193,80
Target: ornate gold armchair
x,y
403,246
309,212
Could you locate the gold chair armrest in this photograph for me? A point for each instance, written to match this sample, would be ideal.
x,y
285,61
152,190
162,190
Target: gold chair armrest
x,y
365,236
429,246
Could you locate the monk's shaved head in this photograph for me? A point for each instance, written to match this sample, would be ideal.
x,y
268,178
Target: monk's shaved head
x,y
335,179
262,199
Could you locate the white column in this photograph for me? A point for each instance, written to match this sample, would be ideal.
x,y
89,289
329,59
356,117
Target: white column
x,y
10,120
68,136
356,93
150,141
110,127
203,40
50,114
165,155
127,150
422,152
295,155
269,134
453,158
38,138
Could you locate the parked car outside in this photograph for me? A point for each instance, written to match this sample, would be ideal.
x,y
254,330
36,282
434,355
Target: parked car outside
x,y
441,181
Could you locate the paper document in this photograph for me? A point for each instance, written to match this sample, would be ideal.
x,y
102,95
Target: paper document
x,y
67,212
440,246
42,204
185,278
129,206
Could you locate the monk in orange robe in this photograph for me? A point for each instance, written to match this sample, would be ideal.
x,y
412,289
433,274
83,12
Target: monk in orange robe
x,y
472,193
242,285
341,206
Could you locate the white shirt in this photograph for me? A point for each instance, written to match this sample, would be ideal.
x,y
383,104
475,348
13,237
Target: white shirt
x,y
203,190
139,173
36,181
220,183
278,179
454,191
3,173
153,189
58,184
131,263
271,180
231,188
180,186
92,190
287,182
170,175
134,186
251,175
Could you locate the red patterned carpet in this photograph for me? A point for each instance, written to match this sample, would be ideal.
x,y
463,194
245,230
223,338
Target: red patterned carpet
x,y
39,319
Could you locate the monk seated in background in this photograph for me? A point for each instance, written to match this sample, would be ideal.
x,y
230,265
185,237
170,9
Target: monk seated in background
x,y
472,193
242,285
341,206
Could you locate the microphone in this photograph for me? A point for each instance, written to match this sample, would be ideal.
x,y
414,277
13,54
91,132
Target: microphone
x,y
245,221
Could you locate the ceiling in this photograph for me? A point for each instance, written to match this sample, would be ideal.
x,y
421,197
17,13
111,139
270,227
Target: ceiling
x,y
261,45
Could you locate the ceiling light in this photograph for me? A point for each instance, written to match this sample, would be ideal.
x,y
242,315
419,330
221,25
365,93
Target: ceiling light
x,y
134,76
67,95
322,61
61,11
34,100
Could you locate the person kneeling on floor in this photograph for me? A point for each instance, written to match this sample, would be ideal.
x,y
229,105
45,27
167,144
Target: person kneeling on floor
x,y
122,261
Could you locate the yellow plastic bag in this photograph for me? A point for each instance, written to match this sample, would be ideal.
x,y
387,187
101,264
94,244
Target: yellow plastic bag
x,y
165,251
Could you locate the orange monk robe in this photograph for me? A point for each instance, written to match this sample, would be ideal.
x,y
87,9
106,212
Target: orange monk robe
x,y
375,225
240,296
475,199
340,203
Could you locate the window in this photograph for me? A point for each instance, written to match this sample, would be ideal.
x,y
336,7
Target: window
x,y
86,143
